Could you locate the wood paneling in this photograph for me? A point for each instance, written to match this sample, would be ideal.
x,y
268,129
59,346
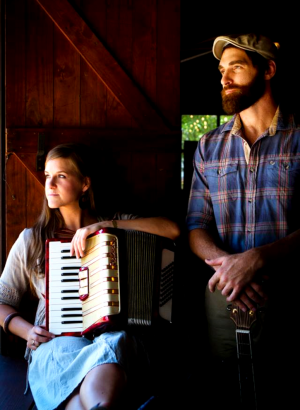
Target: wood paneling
x,y
101,72
15,73
92,50
24,196
15,199
39,67
66,83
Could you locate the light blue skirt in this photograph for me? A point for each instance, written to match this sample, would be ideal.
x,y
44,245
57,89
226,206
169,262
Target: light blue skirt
x,y
59,366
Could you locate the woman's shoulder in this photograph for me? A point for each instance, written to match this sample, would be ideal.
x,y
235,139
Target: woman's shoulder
x,y
24,237
26,234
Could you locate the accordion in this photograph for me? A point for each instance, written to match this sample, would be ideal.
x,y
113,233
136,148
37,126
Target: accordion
x,y
125,277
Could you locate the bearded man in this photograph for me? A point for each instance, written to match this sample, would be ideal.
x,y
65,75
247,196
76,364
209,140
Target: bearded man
x,y
244,222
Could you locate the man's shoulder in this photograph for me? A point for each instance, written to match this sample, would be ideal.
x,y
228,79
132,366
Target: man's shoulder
x,y
288,120
216,135
220,130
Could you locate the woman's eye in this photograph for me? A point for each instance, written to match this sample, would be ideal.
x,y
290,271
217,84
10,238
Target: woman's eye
x,y
61,176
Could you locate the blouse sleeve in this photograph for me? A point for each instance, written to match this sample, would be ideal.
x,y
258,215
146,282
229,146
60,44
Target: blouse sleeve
x,y
14,280
119,215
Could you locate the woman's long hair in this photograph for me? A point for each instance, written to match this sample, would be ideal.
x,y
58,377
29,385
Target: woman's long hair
x,y
50,220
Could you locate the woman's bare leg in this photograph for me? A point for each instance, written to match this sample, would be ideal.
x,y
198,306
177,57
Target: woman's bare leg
x,y
74,402
104,385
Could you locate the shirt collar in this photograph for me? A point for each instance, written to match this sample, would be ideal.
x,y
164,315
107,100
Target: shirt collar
x,y
237,125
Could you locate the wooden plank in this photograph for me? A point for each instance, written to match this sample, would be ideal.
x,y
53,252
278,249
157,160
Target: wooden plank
x,y
145,46
168,60
39,67
66,82
15,194
25,140
102,62
119,144
24,195
34,189
15,62
119,39
93,107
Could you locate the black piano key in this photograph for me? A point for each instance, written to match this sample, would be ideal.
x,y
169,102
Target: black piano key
x,y
69,273
71,315
71,322
70,298
67,267
65,251
70,308
68,257
70,280
68,290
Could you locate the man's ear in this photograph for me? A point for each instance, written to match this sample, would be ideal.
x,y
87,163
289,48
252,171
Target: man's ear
x,y
271,71
86,184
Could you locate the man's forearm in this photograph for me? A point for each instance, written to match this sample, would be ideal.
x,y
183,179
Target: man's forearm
x,y
204,245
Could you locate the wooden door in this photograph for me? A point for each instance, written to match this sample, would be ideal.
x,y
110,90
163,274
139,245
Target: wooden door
x,y
101,72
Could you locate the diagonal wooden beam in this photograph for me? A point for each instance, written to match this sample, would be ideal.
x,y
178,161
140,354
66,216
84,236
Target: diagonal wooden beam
x,y
103,63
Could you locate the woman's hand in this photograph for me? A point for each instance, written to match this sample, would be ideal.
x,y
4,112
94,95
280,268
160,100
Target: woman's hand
x,y
37,335
79,239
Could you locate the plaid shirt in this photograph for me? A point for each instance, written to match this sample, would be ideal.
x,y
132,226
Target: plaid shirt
x,y
251,196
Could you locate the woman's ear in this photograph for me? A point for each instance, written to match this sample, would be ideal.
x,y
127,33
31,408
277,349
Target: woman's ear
x,y
86,184
271,71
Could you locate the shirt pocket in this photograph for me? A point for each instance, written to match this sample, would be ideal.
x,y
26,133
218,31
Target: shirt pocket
x,y
223,182
285,174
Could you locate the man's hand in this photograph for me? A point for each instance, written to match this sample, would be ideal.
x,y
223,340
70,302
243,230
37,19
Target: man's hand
x,y
236,276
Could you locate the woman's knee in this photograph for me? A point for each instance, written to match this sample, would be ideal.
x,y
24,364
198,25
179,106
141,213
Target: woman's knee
x,y
104,384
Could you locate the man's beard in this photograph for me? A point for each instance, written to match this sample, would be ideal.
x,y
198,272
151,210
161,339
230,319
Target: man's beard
x,y
244,96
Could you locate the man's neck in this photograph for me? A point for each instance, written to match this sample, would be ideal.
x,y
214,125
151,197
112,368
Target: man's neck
x,y
257,119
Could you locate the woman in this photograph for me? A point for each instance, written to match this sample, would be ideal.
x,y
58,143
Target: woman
x,y
69,372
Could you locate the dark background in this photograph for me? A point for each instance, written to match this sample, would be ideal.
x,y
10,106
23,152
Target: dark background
x,y
200,80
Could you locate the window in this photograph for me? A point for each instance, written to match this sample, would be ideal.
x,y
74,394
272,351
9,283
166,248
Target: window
x,y
192,128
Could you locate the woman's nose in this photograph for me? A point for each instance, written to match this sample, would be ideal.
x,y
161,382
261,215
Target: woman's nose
x,y
51,182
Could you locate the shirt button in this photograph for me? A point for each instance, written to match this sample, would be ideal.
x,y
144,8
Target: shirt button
x,y
251,169
219,172
286,166
272,162
249,200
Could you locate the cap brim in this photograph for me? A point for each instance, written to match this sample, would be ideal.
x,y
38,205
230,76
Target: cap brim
x,y
218,46
221,42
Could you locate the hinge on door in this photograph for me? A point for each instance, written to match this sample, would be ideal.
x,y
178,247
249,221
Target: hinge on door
x,y
40,156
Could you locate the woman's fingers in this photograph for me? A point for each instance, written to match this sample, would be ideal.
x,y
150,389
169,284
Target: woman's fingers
x,y
38,335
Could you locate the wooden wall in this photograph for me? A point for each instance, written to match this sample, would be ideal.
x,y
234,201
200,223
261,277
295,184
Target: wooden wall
x,y
103,72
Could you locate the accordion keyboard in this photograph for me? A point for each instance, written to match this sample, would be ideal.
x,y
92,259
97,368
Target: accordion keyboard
x,y
65,307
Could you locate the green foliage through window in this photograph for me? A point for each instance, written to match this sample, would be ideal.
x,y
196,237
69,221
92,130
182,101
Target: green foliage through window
x,y
194,126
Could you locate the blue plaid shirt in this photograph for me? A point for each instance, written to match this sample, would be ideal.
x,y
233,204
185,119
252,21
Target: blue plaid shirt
x,y
251,196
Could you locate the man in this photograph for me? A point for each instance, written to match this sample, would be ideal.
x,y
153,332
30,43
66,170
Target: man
x,y
244,208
